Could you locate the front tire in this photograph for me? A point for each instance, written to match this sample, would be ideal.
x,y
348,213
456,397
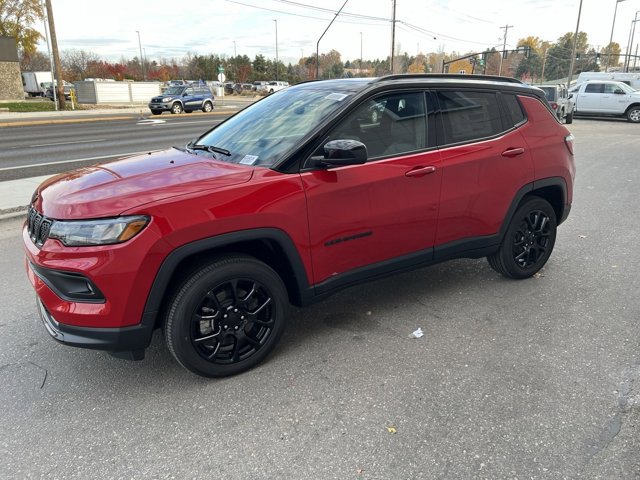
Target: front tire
x,y
569,118
633,114
176,108
156,112
528,241
226,317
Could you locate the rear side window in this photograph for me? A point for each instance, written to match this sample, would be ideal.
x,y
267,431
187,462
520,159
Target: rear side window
x,y
594,88
514,113
468,115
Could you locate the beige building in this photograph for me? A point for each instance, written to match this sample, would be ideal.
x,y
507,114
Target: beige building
x,y
10,78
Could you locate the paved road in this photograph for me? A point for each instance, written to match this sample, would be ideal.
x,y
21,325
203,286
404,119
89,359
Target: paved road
x,y
513,379
30,151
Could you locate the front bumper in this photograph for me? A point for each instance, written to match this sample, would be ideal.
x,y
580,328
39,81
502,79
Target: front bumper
x,y
160,106
126,339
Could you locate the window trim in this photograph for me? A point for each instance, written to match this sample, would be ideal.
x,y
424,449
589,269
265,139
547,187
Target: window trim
x,y
441,142
430,139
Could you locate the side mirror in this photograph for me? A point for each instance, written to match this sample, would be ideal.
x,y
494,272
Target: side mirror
x,y
570,95
618,91
339,153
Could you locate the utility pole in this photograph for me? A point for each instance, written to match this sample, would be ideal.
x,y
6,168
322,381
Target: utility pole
x,y
504,47
53,88
573,51
393,35
544,62
141,58
360,72
59,87
276,49
615,11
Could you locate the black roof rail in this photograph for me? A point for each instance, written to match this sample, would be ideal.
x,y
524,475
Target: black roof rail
x,y
455,76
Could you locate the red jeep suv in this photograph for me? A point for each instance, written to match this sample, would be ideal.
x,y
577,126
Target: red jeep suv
x,y
303,193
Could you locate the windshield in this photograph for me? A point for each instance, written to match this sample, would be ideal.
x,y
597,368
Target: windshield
x,y
264,132
549,92
626,88
173,91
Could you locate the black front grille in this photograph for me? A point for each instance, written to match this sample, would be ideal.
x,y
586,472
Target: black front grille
x,y
38,227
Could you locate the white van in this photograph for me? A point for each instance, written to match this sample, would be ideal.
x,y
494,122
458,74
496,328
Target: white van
x,y
631,79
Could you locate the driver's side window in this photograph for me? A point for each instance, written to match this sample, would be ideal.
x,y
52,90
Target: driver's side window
x,y
390,124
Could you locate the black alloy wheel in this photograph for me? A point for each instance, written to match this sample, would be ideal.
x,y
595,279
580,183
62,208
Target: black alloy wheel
x,y
528,242
227,317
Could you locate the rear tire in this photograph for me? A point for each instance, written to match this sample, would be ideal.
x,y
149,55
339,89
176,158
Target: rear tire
x,y
528,241
227,316
207,107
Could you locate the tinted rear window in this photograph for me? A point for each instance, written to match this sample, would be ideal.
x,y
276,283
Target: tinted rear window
x,y
515,115
469,115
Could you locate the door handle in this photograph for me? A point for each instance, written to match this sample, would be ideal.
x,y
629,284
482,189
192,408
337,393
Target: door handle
x,y
513,152
420,171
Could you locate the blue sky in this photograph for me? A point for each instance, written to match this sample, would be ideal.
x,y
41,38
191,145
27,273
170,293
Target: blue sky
x,y
172,29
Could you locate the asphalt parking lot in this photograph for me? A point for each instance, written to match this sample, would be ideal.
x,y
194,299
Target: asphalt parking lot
x,y
537,378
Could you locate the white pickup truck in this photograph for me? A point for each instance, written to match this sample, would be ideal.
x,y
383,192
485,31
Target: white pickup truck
x,y
599,97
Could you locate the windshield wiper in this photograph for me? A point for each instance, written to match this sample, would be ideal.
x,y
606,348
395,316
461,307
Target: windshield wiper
x,y
210,149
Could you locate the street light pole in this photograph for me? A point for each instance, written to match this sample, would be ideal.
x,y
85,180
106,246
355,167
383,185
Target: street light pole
x,y
615,11
633,34
325,31
144,77
393,35
276,49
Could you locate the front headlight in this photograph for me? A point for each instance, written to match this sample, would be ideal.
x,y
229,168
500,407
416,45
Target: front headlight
x,y
166,99
107,231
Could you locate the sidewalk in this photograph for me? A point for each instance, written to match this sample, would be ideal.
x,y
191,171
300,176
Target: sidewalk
x,y
15,196
110,112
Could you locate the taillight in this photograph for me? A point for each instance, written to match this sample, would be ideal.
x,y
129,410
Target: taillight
x,y
568,141
554,105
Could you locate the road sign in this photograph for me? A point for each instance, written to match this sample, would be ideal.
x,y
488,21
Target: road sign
x,y
221,77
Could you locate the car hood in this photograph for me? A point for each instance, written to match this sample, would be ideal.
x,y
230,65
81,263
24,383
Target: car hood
x,y
159,98
109,189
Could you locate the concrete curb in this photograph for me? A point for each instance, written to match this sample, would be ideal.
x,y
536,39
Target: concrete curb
x,y
13,213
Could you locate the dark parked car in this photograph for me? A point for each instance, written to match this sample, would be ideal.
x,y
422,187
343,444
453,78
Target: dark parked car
x,y
68,88
291,199
183,98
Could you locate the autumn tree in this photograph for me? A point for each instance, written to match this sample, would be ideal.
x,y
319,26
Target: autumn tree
x,y
610,55
559,55
34,62
16,20
419,64
75,63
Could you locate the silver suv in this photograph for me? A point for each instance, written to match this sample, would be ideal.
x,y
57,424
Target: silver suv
x,y
559,100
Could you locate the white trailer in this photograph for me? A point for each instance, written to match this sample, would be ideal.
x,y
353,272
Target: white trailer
x,y
35,83
631,79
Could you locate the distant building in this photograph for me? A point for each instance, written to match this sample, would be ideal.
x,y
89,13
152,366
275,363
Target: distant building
x,y
10,78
